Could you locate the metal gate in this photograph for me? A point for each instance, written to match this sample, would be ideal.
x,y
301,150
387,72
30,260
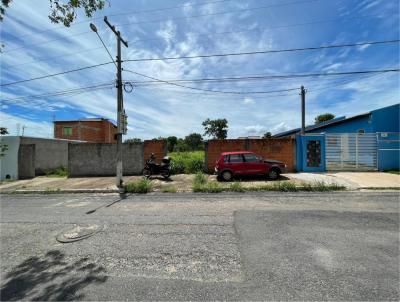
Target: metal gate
x,y
351,151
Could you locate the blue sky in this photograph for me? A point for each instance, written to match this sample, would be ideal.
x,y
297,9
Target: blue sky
x,y
36,47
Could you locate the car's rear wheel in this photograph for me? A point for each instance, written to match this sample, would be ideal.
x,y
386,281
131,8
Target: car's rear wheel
x,y
273,174
226,175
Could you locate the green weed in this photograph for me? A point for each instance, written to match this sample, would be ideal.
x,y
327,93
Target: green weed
x,y
142,186
236,187
57,172
200,178
208,187
187,162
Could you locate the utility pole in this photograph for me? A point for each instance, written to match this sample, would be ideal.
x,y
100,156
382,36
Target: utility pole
x,y
121,116
303,110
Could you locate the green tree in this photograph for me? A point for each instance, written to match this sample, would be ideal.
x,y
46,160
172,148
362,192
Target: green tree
x,y
324,117
181,146
64,12
194,141
3,147
134,140
171,143
267,135
217,129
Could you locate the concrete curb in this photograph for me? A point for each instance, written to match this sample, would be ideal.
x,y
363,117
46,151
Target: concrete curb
x,y
62,191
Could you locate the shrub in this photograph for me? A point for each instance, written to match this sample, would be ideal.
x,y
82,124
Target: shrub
x,y
57,172
187,162
142,186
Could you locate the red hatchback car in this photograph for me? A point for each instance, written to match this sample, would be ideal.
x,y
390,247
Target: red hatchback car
x,y
230,164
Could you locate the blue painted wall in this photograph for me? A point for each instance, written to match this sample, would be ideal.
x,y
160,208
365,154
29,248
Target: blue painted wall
x,y
388,151
386,119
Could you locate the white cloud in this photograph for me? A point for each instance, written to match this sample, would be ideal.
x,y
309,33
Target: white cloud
x,y
248,100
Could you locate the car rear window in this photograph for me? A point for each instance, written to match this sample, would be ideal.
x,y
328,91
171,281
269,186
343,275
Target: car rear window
x,y
250,158
226,158
236,158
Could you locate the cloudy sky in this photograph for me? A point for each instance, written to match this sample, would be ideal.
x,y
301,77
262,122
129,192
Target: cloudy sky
x,y
35,47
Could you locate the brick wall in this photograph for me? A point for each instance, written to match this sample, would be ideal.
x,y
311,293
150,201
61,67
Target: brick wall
x,y
282,149
90,131
158,147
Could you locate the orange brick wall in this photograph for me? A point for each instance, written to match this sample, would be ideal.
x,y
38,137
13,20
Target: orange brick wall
x,y
282,149
158,147
90,131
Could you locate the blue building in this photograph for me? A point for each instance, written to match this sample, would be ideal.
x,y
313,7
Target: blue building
x,y
367,141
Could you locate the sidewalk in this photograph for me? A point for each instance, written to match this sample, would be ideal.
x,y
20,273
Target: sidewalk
x,y
183,182
353,180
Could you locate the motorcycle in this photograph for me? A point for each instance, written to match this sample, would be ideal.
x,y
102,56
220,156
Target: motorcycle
x,y
152,168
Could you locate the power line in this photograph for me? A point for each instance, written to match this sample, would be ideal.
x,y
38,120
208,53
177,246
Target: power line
x,y
264,77
210,90
54,74
209,56
263,51
221,13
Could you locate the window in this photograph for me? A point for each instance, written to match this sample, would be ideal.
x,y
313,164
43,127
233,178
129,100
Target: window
x,y
67,131
361,131
251,158
226,158
236,158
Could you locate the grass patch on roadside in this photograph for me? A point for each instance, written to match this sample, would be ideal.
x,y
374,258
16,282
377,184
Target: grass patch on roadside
x,y
141,186
236,187
57,172
169,189
187,162
209,187
277,186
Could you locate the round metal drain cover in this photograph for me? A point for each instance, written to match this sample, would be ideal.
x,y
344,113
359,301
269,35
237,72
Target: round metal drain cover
x,y
78,232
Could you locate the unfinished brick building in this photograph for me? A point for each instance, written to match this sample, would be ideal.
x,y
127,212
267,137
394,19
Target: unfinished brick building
x,y
95,130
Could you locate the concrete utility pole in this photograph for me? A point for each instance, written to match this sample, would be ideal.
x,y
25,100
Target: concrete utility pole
x,y
303,110
120,101
121,117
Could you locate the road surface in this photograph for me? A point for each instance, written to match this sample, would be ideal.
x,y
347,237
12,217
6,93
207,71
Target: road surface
x,y
259,246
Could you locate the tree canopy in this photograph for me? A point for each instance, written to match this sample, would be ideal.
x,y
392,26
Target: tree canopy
x,y
217,129
64,12
194,141
324,117
267,135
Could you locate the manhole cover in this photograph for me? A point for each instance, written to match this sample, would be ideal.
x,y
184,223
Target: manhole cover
x,y
78,232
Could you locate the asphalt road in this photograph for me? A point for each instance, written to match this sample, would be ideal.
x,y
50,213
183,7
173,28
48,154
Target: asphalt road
x,y
275,246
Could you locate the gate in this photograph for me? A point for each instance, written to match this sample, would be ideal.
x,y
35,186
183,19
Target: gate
x,y
351,151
